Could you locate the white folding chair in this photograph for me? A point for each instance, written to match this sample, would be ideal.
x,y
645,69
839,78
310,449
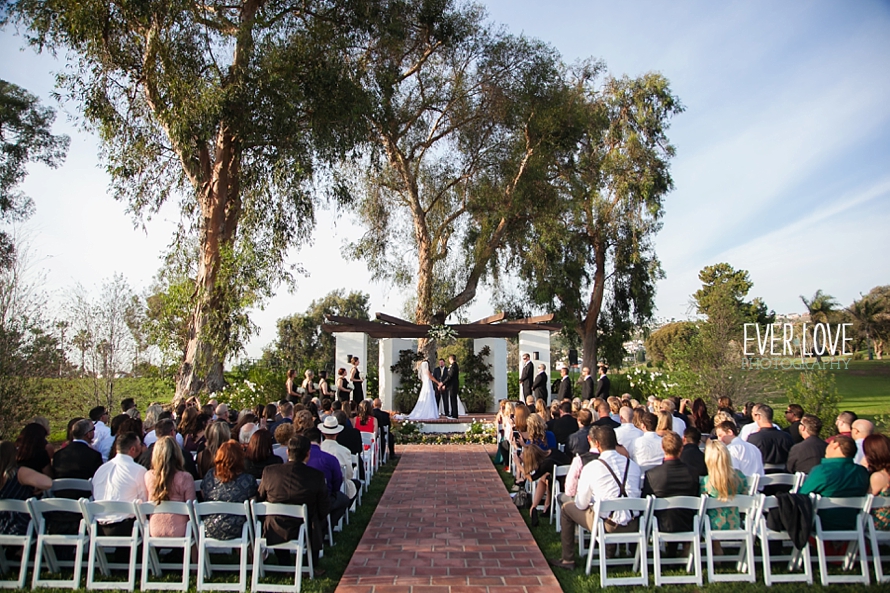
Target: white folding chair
x,y
693,538
24,541
747,506
560,471
356,460
754,484
854,536
98,556
151,544
797,559
385,444
206,545
790,480
61,484
298,546
370,441
878,537
603,509
46,543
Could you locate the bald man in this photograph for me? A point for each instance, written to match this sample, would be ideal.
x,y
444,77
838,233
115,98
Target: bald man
x,y
859,430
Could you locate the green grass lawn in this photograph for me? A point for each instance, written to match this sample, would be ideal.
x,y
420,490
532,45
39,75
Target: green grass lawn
x,y
575,581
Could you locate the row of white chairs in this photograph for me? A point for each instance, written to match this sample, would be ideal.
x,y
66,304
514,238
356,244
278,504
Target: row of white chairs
x,y
754,510
88,540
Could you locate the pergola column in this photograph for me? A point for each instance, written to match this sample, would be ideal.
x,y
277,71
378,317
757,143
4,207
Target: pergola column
x,y
389,355
497,358
351,344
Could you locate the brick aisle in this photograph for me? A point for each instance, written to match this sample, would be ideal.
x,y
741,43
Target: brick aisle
x,y
446,524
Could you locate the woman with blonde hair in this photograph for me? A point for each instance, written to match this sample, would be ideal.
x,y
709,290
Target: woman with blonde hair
x,y
723,482
308,386
168,481
665,423
542,410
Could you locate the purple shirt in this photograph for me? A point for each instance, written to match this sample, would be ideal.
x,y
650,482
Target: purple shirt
x,y
329,466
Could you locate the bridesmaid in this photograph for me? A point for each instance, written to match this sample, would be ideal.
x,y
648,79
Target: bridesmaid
x,y
343,391
355,377
292,395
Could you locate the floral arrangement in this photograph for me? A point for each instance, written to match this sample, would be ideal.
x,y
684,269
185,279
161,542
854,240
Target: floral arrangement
x,y
657,383
479,433
442,333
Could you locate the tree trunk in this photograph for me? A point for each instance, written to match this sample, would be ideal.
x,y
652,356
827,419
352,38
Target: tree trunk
x,y
587,327
202,366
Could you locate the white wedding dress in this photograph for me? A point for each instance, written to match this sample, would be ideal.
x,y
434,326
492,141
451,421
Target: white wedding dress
x,y
426,407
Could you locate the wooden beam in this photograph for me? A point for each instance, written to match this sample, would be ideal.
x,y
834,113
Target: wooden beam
x,y
535,319
394,320
490,319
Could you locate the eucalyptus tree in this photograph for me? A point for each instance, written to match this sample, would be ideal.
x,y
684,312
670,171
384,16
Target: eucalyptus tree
x,y
224,106
591,257
459,115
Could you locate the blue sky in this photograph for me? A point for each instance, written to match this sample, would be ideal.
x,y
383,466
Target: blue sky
x,y
782,167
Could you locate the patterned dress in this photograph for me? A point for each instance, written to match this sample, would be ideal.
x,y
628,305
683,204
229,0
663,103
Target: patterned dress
x,y
242,488
882,515
14,523
728,517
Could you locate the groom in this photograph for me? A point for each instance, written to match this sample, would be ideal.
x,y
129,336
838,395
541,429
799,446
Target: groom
x,y
451,384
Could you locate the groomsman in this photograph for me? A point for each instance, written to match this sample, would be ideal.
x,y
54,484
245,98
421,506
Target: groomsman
x,y
565,384
602,385
587,384
525,376
539,386
438,377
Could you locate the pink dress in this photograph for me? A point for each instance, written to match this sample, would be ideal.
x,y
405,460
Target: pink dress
x,y
165,524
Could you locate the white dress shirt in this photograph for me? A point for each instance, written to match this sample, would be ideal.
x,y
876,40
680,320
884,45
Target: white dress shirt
x,y
626,434
860,454
120,479
646,451
746,457
102,439
749,429
679,426
575,474
597,483
152,438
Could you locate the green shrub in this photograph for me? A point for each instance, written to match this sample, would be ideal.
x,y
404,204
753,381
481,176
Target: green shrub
x,y
406,394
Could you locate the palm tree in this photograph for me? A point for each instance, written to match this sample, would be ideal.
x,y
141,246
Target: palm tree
x,y
866,311
820,308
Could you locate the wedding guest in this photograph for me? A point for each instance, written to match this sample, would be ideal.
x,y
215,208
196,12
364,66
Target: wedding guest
x,y
808,453
31,445
17,483
630,430
700,417
226,481
837,475
216,434
194,439
723,482
168,481
102,439
365,421
877,456
259,454
121,479
692,454
794,414
283,434
844,424
78,460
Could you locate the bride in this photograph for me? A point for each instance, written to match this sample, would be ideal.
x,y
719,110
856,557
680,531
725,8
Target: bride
x,y
426,407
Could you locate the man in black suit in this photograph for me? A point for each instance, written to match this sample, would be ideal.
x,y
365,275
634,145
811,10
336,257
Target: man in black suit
x,y
587,384
78,459
539,385
452,385
565,385
808,453
295,482
603,383
167,428
438,376
774,444
692,454
526,375
577,442
566,425
384,420
793,414
672,478
126,404
605,418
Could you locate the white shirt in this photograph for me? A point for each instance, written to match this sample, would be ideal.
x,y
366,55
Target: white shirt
x,y
749,429
679,426
626,434
596,483
646,451
102,439
343,455
746,457
575,474
859,452
120,479
152,438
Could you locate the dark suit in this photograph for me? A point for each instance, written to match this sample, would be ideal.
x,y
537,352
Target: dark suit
x,y
692,456
794,430
438,375
587,387
804,456
565,388
564,427
452,384
577,443
602,387
672,478
188,461
383,419
774,445
539,386
295,483
607,421
79,461
525,379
